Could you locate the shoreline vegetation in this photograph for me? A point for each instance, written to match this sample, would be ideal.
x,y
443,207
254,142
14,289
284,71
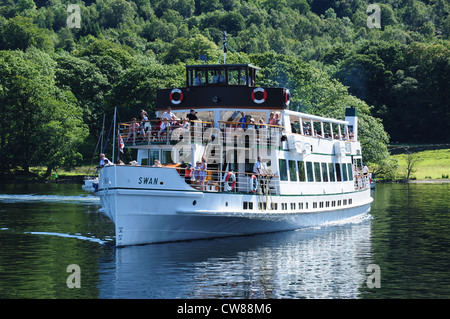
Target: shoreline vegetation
x,y
430,166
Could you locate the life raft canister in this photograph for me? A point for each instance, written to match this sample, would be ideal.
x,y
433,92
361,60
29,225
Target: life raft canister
x,y
230,178
172,99
254,183
259,101
287,97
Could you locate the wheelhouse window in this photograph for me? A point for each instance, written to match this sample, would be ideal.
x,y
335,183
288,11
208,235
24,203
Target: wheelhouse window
x,y
216,75
197,77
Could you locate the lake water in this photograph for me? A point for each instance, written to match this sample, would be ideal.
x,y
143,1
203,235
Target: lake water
x,y
45,228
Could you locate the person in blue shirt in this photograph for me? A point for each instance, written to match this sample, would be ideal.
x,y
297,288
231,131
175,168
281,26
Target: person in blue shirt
x,y
242,119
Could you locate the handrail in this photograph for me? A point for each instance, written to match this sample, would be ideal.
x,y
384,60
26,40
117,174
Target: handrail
x,y
255,124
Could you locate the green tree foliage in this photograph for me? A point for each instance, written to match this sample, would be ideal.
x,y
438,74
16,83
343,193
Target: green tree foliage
x,y
41,123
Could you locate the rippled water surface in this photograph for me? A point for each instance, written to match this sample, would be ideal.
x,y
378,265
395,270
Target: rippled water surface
x,y
46,228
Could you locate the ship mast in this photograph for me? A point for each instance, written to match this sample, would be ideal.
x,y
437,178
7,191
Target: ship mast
x,y
225,47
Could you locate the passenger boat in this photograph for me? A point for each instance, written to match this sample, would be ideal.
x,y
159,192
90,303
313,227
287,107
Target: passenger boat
x,y
309,174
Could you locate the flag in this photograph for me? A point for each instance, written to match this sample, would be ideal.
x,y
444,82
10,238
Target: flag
x,y
121,144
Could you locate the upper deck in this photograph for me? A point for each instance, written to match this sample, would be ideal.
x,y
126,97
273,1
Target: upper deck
x,y
222,86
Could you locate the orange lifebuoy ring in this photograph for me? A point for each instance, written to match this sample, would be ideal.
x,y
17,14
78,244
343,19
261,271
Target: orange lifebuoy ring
x,y
259,101
230,178
287,97
172,99
254,183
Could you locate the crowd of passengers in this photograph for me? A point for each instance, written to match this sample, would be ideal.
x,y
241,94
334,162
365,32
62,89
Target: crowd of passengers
x,y
168,121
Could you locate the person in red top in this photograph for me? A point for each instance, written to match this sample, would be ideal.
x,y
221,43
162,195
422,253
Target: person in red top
x,y
134,128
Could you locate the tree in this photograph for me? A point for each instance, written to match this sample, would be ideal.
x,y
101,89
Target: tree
x,y
411,161
41,124
21,33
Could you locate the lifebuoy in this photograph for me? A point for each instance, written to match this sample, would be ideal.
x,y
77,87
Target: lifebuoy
x,y
287,97
254,183
230,178
172,99
259,101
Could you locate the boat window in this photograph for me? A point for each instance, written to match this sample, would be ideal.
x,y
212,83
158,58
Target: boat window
x,y
237,76
344,172
338,172
283,170
197,76
350,172
216,76
166,157
331,169
317,172
292,206
292,171
301,171
324,172
152,155
309,170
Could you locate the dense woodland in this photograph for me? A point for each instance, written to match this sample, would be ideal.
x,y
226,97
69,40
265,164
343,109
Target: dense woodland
x,y
56,82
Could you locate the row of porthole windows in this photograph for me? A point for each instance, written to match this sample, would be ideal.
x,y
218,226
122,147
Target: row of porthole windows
x,y
291,170
299,206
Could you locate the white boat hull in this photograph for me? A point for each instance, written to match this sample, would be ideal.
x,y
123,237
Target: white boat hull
x,y
143,216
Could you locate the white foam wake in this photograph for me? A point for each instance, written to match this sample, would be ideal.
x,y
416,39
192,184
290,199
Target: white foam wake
x,y
92,239
19,198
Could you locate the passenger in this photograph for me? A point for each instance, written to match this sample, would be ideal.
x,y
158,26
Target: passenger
x,y
157,163
242,119
192,116
164,128
277,119
196,171
260,167
104,161
133,129
293,130
198,79
365,170
185,125
168,114
202,175
188,174
271,120
145,124
219,78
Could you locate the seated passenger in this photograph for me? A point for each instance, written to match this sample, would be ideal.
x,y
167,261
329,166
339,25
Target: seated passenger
x,y
218,78
133,129
104,161
157,163
164,128
198,80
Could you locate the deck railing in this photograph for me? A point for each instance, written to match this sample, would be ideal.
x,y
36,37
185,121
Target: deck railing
x,y
148,132
362,182
231,182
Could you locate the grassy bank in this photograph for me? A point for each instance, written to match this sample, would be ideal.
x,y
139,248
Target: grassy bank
x,y
431,164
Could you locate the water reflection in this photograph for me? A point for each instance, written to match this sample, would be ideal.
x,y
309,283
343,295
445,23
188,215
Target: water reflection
x,y
326,262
